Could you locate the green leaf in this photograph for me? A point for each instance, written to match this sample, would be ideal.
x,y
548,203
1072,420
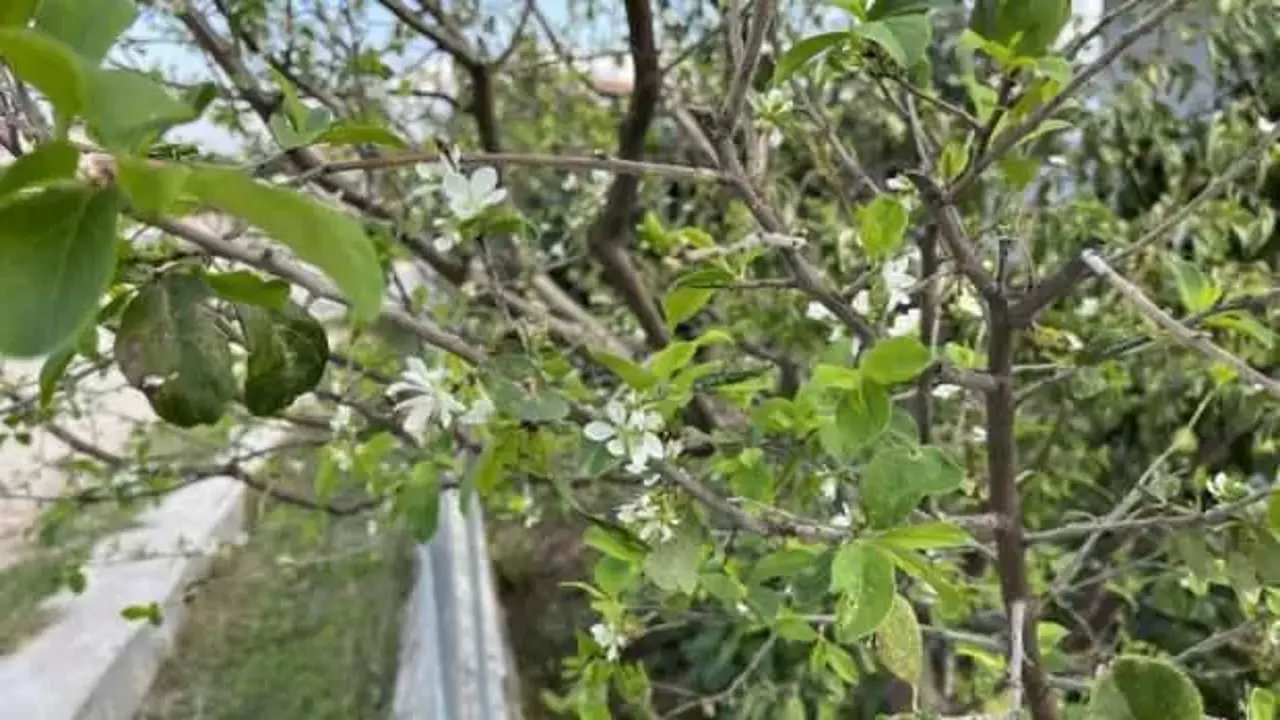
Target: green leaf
x,y
683,303
630,373
882,225
419,501
888,8
862,576
47,163
51,372
926,536
922,568
1273,513
354,134
614,542
1033,25
150,612
90,27
58,250
546,406
1045,128
1262,705
1018,170
673,565
242,286
170,346
671,358
128,110
895,360
53,68
327,238
783,563
17,13
899,646
897,479
288,351
152,188
904,38
1196,289
710,275
955,158
1139,688
862,416
795,629
798,55
1240,321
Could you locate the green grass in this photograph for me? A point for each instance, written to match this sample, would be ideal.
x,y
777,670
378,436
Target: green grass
x,y
301,623
66,537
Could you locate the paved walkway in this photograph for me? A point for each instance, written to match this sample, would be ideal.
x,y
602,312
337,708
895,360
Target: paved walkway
x,y
109,410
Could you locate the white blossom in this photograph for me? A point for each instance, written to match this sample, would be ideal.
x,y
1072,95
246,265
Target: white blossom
x,y
818,311
468,197
844,518
862,302
905,323
898,279
629,430
1088,307
1265,126
946,391
897,183
609,639
446,240
978,434
428,397
649,518
1225,487
341,420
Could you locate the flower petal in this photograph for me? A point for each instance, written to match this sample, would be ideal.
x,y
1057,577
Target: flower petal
x,y
616,412
483,181
616,447
598,431
455,186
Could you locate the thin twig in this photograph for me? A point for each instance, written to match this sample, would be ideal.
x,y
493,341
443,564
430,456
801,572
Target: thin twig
x,y
1211,517
582,163
730,114
1180,332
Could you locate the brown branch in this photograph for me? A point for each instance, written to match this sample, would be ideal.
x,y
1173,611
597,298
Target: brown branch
x,y
572,163
1002,469
1180,332
449,41
276,264
609,234
731,112
954,236
1046,292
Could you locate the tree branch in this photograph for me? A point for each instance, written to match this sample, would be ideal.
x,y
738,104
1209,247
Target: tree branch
x,y
1180,332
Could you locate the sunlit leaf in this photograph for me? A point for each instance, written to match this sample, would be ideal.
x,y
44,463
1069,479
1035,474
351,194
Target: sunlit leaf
x,y
899,646
1139,688
57,254
323,236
